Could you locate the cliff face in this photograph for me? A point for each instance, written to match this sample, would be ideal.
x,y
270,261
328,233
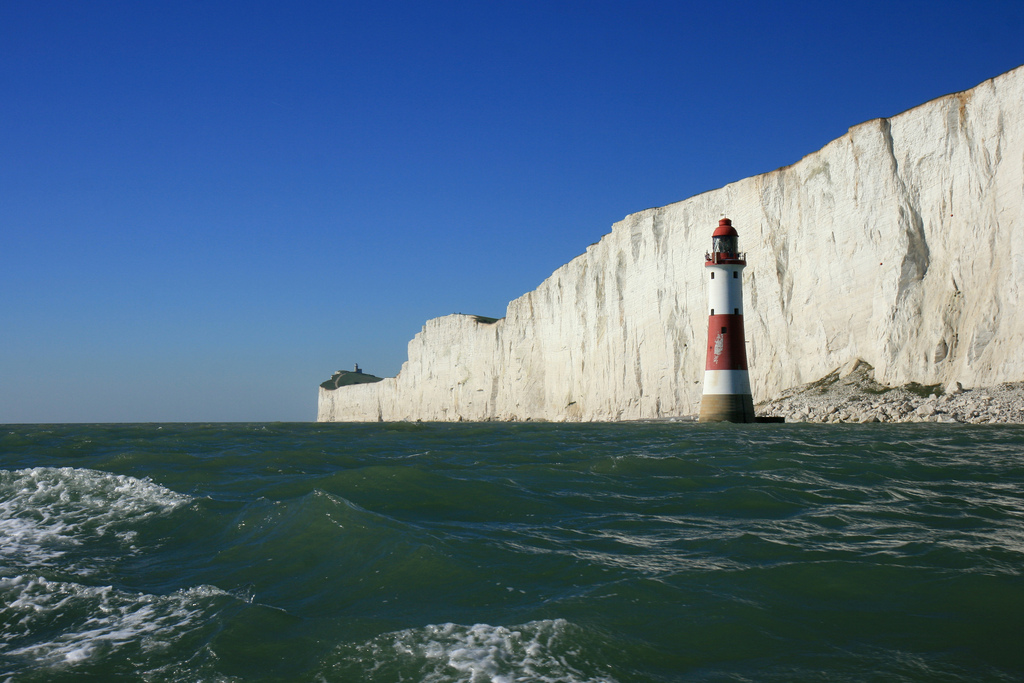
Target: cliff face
x,y
901,243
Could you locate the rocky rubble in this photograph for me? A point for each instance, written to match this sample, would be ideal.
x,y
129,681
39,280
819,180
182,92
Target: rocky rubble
x,y
851,394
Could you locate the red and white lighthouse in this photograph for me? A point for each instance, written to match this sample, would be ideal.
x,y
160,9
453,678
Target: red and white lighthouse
x,y
727,396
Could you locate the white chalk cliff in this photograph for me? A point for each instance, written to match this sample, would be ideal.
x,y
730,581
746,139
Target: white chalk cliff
x,y
901,243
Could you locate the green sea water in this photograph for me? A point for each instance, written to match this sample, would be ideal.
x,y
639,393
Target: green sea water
x,y
511,552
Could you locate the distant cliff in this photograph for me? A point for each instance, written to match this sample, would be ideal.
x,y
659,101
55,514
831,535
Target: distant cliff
x,y
901,243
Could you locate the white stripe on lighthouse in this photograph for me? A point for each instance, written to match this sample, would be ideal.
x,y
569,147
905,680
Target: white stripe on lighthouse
x,y
726,382
725,296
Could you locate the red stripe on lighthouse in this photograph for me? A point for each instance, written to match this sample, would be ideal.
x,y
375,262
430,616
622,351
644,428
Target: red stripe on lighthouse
x,y
726,350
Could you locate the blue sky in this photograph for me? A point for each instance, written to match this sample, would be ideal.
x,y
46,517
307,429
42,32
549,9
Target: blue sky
x,y
208,207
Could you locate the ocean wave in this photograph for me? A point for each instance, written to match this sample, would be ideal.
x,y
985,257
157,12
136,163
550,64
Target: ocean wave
x,y
548,650
45,512
56,624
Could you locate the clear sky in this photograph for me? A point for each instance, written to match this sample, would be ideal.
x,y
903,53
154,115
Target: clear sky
x,y
206,208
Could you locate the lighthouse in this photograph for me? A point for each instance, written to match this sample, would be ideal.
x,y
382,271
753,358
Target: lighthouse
x,y
727,395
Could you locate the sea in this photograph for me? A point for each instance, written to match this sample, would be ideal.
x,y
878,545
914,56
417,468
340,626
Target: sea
x,y
503,552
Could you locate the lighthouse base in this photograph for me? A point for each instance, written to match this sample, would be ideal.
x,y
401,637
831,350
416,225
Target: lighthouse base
x,y
727,408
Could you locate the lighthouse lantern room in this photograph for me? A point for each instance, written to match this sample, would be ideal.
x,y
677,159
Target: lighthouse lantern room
x,y
726,396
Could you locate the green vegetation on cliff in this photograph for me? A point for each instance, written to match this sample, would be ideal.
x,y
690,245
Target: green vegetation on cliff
x,y
346,377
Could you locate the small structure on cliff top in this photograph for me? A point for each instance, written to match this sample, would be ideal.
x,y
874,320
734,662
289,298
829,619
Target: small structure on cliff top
x,y
727,396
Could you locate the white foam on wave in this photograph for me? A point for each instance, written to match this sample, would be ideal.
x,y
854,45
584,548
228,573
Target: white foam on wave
x,y
453,653
44,511
87,622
